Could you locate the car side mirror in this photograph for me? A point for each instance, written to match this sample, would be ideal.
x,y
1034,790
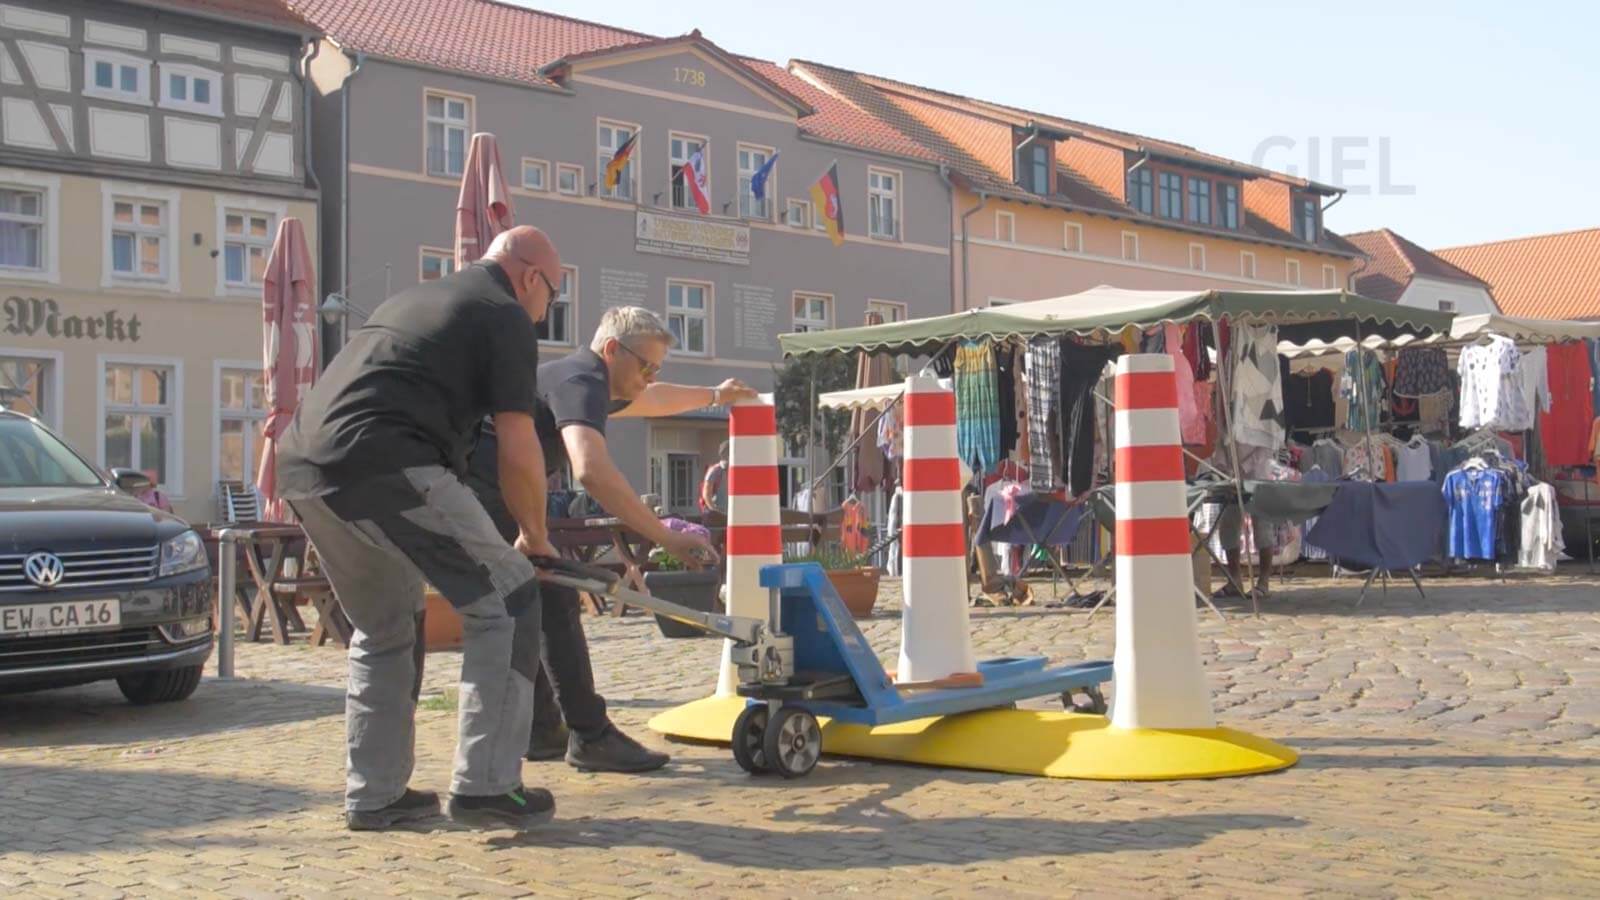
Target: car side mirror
x,y
132,481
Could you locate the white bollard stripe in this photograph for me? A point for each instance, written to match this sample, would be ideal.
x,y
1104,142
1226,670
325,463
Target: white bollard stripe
x,y
1151,499
1145,362
1147,428
754,510
760,450
932,507
930,441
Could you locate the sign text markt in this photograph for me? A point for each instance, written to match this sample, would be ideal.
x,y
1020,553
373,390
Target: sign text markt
x,y
693,238
28,316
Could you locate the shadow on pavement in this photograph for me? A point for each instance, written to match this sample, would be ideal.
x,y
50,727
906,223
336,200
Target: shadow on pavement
x,y
1452,761
145,802
1301,743
97,714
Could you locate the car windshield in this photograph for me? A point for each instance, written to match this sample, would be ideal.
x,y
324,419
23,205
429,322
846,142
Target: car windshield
x,y
33,457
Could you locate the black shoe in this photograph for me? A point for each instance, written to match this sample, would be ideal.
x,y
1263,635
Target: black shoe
x,y
520,809
413,806
612,751
547,743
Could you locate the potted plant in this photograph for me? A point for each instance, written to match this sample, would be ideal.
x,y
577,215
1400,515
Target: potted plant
x,y
853,577
694,588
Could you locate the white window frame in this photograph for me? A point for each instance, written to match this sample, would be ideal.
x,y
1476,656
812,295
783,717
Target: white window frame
x,y
140,97
897,218
539,165
792,204
878,306
423,254
1135,236
1291,272
1072,237
218,415
577,179
676,160
1330,277
226,203
710,294
1005,227
1247,264
602,158
1193,246
746,176
174,485
808,323
446,122
55,359
110,193
570,298
50,228
212,107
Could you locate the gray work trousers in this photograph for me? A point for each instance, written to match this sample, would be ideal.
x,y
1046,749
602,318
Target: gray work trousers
x,y
379,543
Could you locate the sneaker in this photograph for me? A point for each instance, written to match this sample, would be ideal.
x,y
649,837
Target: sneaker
x,y
413,806
520,809
612,751
547,743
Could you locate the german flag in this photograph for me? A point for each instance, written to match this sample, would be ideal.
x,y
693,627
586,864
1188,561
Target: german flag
x,y
619,160
825,202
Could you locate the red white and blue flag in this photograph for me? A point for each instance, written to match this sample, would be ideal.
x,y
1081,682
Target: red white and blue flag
x,y
694,175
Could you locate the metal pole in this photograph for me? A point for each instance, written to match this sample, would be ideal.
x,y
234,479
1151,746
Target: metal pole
x,y
227,588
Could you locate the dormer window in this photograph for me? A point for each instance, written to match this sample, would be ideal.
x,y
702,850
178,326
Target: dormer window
x,y
1033,168
1141,191
1305,219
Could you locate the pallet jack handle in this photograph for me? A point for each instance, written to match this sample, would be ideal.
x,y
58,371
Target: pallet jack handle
x,y
600,580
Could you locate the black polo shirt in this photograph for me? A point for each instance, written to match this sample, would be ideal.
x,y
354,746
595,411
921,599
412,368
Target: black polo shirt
x,y
412,384
573,390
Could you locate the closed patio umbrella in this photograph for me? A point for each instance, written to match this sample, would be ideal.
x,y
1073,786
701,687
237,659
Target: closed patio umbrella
x,y
289,350
872,370
483,208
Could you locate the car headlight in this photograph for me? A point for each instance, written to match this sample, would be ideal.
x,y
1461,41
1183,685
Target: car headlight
x,y
184,553
187,630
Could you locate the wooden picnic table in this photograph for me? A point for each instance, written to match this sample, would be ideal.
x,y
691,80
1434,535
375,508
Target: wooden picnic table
x,y
266,548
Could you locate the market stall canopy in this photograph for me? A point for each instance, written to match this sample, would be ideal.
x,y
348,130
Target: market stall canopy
x,y
869,398
1299,315
1528,331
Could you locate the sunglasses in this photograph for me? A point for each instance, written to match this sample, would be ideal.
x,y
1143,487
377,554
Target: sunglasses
x,y
646,367
553,292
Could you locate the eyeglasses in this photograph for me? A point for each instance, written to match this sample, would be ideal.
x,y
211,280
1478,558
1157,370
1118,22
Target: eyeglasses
x,y
553,292
646,367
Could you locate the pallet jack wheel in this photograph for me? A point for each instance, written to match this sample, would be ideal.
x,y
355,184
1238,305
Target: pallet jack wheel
x,y
793,742
1095,704
749,740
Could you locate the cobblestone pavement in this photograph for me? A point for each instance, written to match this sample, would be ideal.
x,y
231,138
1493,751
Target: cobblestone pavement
x,y
1449,746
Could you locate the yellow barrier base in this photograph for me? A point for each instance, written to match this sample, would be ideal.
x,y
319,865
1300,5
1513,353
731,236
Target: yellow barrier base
x,y
1017,741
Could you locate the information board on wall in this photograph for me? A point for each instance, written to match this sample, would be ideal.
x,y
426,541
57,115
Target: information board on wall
x,y
755,310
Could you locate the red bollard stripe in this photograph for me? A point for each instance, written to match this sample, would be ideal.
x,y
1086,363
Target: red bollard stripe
x,y
932,475
744,481
938,408
755,420
1158,463
935,540
1153,537
1146,390
754,540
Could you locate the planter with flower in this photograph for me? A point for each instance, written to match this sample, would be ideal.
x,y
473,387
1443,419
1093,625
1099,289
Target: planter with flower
x,y
671,580
853,576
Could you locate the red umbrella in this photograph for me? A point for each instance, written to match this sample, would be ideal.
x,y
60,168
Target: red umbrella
x,y
483,209
289,349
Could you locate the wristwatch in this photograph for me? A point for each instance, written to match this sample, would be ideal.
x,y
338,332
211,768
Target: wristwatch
x,y
716,396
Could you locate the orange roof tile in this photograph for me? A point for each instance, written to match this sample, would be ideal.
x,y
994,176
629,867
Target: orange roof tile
x,y
1547,276
479,37
270,13
1394,261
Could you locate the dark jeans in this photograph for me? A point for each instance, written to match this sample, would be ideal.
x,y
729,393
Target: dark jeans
x,y
551,650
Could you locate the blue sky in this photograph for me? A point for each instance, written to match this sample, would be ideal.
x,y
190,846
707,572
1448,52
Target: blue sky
x,y
1487,111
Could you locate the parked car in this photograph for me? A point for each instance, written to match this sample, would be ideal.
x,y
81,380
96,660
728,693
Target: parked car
x,y
94,584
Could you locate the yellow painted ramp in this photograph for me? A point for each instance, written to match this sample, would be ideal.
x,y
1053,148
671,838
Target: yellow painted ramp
x,y
1016,741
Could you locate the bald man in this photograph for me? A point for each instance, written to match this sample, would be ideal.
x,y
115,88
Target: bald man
x,y
371,465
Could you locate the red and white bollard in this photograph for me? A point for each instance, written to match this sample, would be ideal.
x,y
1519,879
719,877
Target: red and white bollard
x,y
935,641
755,530
1159,682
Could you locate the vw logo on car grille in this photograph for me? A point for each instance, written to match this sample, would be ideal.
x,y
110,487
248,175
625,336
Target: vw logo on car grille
x,y
43,569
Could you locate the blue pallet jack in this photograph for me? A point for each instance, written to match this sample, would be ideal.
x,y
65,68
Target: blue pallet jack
x,y
807,659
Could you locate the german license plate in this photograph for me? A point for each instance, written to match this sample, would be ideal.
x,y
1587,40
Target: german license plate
x,y
65,617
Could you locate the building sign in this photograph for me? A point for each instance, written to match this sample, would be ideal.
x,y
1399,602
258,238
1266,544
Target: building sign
x,y
693,238
28,316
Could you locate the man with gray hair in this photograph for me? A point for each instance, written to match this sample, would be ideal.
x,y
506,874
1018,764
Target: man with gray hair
x,y
614,376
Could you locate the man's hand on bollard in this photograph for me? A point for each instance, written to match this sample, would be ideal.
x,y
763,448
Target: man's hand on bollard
x,y
734,390
695,551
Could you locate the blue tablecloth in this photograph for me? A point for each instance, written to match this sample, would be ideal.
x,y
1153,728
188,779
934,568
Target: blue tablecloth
x,y
1387,526
1052,521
